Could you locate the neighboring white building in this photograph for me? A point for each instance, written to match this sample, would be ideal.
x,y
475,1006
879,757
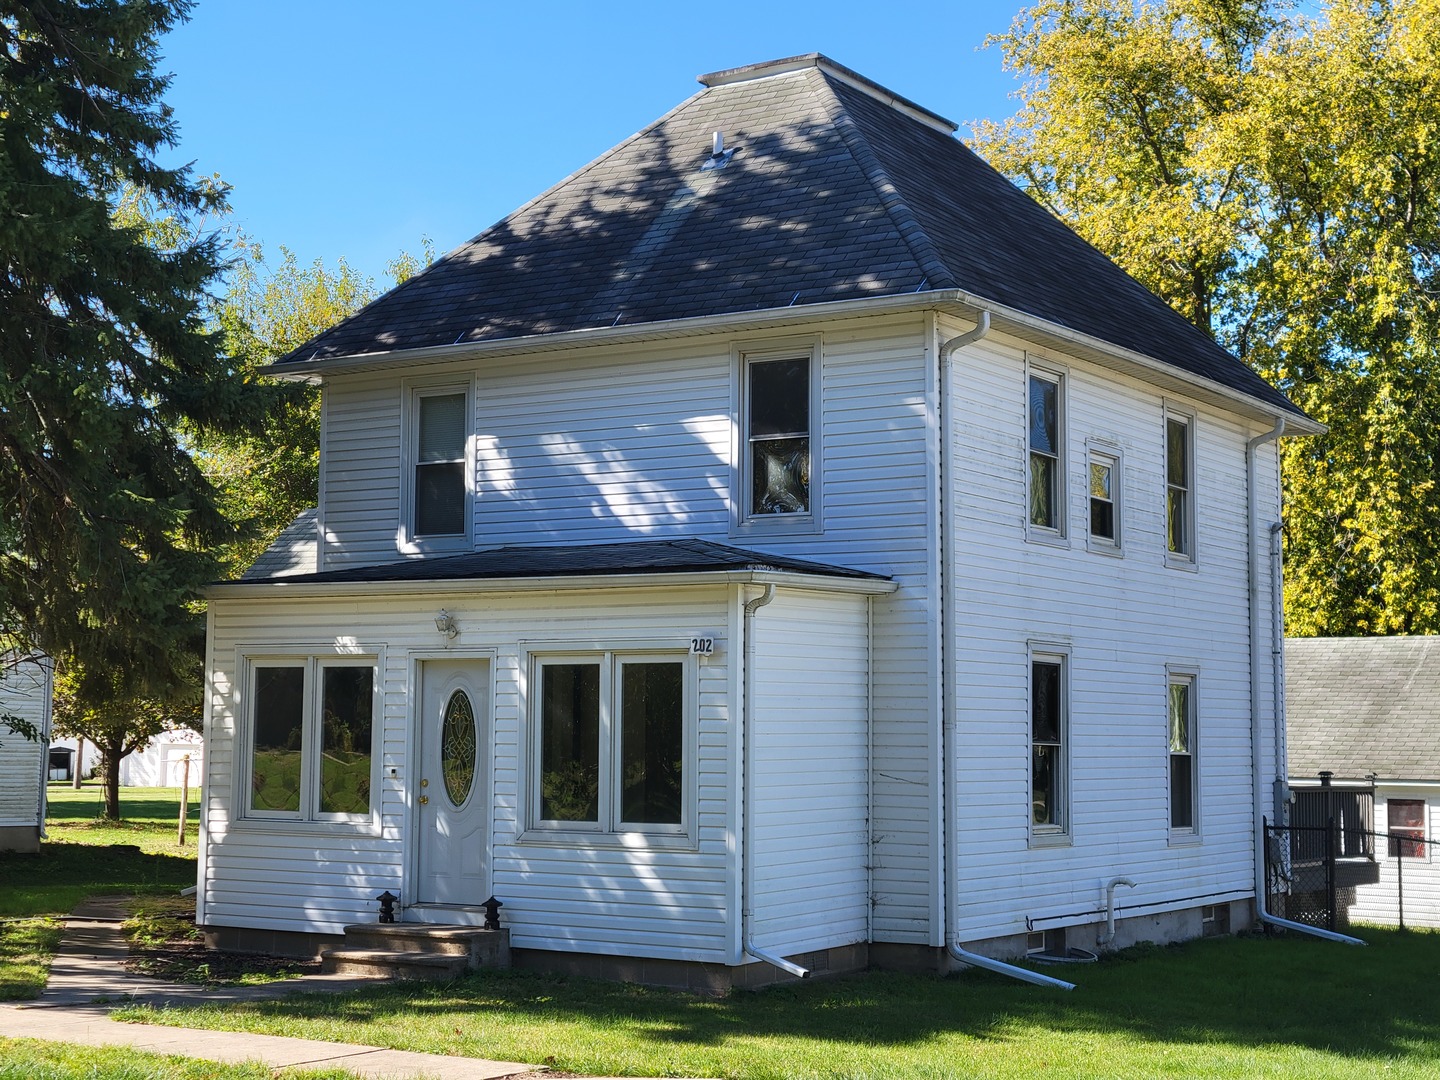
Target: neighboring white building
x,y
1367,710
25,689
780,539
160,764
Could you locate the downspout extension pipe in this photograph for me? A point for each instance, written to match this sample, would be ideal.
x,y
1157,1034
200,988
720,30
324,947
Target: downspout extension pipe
x,y
1001,968
964,956
1108,938
746,845
1256,721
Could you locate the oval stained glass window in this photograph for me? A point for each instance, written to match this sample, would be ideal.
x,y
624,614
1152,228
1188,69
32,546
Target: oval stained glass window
x,y
457,747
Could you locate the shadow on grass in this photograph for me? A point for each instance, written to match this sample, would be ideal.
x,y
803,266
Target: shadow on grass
x,y
61,875
1251,992
160,806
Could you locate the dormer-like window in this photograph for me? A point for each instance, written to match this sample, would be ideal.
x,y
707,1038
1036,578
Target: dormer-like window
x,y
439,490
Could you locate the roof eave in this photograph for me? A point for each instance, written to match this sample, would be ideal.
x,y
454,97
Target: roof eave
x,y
955,301
271,588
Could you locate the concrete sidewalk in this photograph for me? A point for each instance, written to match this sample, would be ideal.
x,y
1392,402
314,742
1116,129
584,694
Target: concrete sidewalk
x,y
88,978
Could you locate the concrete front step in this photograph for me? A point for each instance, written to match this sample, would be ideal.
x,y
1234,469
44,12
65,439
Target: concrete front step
x,y
435,967
417,950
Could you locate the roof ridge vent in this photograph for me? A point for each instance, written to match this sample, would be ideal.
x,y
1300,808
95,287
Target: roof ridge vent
x,y
837,71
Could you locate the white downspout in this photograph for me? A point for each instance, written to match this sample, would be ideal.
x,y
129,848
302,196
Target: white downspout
x,y
947,656
1278,717
747,831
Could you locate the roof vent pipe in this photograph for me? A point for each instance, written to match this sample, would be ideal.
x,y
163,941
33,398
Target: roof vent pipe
x,y
717,144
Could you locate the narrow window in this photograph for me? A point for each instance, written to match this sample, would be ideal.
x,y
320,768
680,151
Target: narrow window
x,y
1179,482
1047,744
1182,752
652,744
1045,474
779,436
1406,821
278,719
570,743
346,736
1104,479
439,496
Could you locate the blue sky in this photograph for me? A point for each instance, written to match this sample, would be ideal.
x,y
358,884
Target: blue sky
x,y
355,128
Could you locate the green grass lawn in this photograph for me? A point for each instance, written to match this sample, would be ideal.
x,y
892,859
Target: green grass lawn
x,y
28,1059
85,857
1232,1007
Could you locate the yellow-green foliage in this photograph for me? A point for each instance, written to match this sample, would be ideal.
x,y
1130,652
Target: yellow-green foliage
x,y
1275,175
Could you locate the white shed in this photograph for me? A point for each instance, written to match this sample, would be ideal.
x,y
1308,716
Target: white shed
x,y
25,690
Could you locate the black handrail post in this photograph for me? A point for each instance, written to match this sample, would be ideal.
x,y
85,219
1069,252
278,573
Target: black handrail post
x,y
1400,879
1330,874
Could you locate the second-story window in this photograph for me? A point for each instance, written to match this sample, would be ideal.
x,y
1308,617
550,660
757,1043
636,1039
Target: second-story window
x,y
1103,482
441,431
1046,482
778,436
1179,488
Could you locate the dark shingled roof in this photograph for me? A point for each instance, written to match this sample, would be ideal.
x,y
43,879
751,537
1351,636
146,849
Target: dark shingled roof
x,y
836,190
633,557
1358,706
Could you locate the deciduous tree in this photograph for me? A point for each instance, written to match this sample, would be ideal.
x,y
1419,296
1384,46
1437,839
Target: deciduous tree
x,y
1276,177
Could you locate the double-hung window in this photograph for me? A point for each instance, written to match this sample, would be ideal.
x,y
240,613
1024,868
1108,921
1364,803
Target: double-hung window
x,y
311,726
612,740
1046,434
777,476
1103,480
1405,819
439,488
1179,487
1184,778
1049,736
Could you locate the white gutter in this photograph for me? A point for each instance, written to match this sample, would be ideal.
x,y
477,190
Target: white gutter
x,y
957,301
948,650
747,831
1257,757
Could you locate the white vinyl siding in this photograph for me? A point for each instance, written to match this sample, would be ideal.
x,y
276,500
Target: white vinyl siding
x,y
24,693
1119,620
661,901
808,732
1420,877
608,444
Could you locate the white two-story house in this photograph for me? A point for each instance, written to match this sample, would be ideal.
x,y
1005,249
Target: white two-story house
x,y
779,541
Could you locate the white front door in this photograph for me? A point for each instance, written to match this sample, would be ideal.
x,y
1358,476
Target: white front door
x,y
452,810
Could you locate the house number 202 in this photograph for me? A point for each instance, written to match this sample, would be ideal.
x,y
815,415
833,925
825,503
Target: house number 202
x,y
702,646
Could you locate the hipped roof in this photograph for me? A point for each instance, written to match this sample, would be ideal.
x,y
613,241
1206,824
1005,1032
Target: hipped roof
x,y
836,190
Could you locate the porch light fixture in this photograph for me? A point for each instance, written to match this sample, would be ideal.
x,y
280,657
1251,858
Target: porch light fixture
x,y
445,623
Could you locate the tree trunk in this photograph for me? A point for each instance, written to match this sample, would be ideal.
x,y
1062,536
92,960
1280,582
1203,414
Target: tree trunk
x,y
111,763
79,777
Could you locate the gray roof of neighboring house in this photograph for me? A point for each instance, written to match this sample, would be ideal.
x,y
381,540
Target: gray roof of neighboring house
x,y
837,190
1358,706
576,560
294,551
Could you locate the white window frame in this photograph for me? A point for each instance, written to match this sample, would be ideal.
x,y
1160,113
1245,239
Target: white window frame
x,y
414,390
1060,377
1188,559
1099,453
1183,834
1424,802
1059,833
314,663
610,829
743,521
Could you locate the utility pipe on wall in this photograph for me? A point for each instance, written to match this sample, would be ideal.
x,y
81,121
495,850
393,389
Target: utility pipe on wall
x,y
747,831
1108,938
947,657
1278,784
